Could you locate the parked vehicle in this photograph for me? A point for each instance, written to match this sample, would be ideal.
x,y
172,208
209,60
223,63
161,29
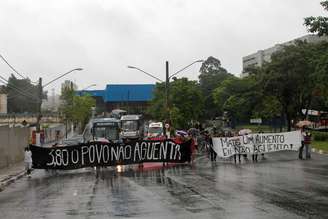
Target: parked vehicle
x,y
132,127
102,129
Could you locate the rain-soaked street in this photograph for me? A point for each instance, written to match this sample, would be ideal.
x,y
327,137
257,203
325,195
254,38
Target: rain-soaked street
x,y
279,187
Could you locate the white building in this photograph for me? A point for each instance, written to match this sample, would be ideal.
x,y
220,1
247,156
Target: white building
x,y
262,56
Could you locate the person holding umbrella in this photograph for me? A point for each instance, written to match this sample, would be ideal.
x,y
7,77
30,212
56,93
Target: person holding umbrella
x,y
306,139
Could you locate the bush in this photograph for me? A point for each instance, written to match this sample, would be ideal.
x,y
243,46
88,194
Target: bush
x,y
320,136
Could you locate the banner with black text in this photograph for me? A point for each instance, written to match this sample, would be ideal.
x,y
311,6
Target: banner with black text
x,y
257,143
108,154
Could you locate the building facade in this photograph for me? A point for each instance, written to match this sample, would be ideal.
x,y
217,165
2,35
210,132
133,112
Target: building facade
x,y
260,57
3,103
134,98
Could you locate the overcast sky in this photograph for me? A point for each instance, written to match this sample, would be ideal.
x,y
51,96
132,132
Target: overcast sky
x,y
48,38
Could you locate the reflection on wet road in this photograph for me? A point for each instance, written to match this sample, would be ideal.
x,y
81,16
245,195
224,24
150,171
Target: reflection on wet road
x,y
279,187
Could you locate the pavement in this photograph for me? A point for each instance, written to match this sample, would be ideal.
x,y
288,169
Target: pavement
x,y
281,186
11,174
16,171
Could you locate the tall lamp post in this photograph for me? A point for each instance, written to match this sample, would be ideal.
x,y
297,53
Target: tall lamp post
x,y
167,81
40,93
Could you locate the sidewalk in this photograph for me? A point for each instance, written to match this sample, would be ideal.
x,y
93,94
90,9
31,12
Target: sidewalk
x,y
10,174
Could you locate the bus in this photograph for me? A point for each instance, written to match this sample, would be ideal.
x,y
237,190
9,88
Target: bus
x,y
102,129
117,113
132,127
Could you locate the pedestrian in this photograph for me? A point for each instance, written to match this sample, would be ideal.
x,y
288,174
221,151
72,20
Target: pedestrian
x,y
254,157
307,144
263,158
28,161
213,154
300,151
237,150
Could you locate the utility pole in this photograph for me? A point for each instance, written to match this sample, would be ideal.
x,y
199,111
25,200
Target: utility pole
x,y
38,119
167,84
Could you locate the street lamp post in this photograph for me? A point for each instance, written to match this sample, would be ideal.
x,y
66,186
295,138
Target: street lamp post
x,y
167,82
40,94
82,90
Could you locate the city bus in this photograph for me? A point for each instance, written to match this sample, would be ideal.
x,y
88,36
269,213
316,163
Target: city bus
x,y
102,129
132,127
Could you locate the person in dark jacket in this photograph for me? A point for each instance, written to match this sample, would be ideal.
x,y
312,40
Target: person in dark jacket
x,y
307,144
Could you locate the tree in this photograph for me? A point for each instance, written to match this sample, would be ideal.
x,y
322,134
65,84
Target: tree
x,y
76,109
239,97
186,102
318,24
22,95
293,77
211,76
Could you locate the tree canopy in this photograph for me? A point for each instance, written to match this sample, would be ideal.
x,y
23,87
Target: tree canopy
x,y
211,76
76,109
22,95
318,24
185,102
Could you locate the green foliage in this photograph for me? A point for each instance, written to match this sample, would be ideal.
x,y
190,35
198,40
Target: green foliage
x,y
186,102
238,96
76,108
157,106
268,108
211,76
291,77
320,136
321,91
318,24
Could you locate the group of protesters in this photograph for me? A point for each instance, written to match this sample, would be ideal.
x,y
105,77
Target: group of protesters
x,y
204,138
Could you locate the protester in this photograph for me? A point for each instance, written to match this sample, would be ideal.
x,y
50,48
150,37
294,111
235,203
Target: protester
x,y
28,161
307,144
300,152
237,150
181,137
212,152
193,133
263,158
207,140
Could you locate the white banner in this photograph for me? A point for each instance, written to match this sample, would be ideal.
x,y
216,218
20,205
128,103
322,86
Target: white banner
x,y
257,143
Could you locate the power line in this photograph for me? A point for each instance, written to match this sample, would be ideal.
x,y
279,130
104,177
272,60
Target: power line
x,y
22,93
10,66
4,81
33,101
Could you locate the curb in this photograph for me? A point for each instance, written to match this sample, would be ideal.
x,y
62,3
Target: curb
x,y
11,179
319,151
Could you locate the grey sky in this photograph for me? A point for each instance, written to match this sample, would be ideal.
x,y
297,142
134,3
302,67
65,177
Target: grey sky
x,y
47,38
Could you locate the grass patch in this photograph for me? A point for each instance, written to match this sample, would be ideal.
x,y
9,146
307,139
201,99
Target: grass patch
x,y
320,145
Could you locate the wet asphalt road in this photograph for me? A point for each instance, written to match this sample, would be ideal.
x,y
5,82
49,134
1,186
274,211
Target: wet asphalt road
x,y
279,187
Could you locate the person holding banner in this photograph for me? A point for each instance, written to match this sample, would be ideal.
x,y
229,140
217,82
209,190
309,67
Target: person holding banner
x,y
181,137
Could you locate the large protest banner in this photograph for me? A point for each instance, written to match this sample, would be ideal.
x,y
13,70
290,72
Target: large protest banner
x,y
100,154
257,143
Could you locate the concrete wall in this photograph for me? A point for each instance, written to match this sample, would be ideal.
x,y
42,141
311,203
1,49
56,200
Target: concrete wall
x,y
12,144
30,119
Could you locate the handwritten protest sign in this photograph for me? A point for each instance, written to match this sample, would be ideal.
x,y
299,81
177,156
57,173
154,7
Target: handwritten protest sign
x,y
257,143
